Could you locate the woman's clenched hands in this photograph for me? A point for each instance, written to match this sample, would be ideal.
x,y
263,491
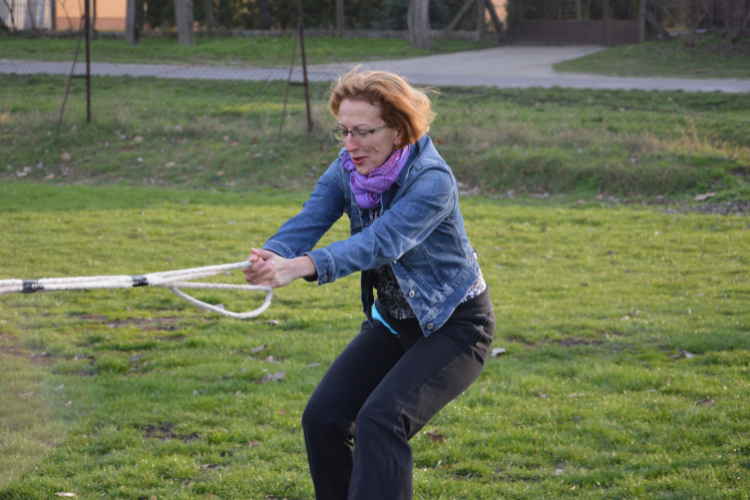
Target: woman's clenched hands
x,y
269,269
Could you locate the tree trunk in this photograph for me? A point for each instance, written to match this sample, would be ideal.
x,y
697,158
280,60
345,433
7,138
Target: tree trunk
x,y
265,21
418,21
210,16
339,17
481,26
183,10
133,20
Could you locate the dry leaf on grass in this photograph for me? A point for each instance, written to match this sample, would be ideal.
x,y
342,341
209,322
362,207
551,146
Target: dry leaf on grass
x,y
256,350
65,157
270,378
66,494
706,402
704,197
497,351
435,437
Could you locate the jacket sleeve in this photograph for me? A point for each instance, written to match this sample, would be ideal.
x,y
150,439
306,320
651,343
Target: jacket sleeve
x,y
429,199
325,206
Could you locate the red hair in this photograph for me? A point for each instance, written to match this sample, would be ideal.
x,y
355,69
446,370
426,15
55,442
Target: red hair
x,y
402,106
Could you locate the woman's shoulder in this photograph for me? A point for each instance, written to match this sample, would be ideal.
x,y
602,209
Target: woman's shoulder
x,y
426,154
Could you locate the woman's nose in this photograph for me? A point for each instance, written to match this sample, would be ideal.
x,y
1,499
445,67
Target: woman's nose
x,y
351,144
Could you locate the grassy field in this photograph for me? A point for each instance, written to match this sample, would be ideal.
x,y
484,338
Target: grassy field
x,y
712,57
629,145
258,51
626,372
626,326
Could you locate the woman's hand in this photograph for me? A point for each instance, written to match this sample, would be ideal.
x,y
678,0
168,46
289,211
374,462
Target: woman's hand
x,y
269,269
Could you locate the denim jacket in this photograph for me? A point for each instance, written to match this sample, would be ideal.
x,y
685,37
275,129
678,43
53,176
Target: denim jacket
x,y
420,232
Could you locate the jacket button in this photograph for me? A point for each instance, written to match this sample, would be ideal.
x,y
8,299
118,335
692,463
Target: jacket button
x,y
429,326
395,262
411,294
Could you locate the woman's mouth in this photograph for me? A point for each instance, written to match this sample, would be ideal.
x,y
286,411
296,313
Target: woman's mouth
x,y
358,160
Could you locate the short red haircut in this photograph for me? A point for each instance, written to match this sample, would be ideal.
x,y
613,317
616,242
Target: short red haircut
x,y
402,106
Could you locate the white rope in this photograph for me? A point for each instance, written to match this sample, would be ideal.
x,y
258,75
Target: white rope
x,y
173,280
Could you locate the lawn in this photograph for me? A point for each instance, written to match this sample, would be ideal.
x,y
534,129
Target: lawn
x,y
711,57
625,325
256,51
625,376
625,145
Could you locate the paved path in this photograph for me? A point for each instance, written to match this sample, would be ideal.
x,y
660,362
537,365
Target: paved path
x,y
504,67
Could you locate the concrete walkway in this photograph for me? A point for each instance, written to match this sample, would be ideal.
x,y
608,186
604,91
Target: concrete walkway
x,y
504,67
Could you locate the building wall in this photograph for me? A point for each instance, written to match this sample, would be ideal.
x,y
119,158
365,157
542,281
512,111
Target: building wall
x,y
110,14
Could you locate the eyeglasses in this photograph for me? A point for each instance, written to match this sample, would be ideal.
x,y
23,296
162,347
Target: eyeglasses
x,y
340,134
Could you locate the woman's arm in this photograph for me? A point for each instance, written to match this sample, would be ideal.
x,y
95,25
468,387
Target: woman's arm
x,y
325,206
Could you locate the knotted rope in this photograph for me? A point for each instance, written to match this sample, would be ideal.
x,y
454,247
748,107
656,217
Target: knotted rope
x,y
168,279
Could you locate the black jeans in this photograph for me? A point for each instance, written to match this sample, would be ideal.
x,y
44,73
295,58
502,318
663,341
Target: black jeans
x,y
391,386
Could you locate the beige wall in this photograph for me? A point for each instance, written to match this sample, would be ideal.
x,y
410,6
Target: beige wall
x,y
502,11
110,14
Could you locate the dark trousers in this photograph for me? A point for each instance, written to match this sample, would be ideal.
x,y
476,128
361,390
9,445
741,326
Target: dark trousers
x,y
391,386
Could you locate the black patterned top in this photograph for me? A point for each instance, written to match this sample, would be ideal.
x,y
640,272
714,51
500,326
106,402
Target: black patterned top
x,y
389,292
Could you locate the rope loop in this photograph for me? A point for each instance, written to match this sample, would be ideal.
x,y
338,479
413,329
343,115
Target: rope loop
x,y
172,280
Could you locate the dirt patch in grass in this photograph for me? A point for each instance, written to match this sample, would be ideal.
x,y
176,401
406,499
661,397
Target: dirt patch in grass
x,y
573,342
146,324
164,431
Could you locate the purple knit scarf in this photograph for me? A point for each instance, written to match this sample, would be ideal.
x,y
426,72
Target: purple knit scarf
x,y
368,188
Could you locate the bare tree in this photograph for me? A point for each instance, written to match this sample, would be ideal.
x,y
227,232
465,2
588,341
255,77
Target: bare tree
x,y
736,17
12,26
133,21
339,17
418,22
183,10
265,21
210,16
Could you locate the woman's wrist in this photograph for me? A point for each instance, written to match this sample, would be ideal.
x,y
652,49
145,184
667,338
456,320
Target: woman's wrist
x,y
304,267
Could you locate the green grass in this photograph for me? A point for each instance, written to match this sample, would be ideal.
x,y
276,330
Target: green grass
x,y
621,144
593,304
593,300
711,57
258,51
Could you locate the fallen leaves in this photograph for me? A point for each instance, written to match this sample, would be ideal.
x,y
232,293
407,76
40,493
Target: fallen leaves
x,y
65,494
65,156
704,197
706,402
435,437
271,378
682,353
497,351
258,349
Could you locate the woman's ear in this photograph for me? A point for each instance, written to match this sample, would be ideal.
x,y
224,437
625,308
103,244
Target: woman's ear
x,y
397,138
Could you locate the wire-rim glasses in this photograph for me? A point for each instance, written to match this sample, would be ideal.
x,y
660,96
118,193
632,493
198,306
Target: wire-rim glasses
x,y
340,134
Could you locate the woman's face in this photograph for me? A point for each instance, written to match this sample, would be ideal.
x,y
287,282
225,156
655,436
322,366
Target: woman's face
x,y
372,151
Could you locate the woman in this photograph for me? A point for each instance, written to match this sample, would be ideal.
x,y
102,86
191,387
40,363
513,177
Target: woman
x,y
427,335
